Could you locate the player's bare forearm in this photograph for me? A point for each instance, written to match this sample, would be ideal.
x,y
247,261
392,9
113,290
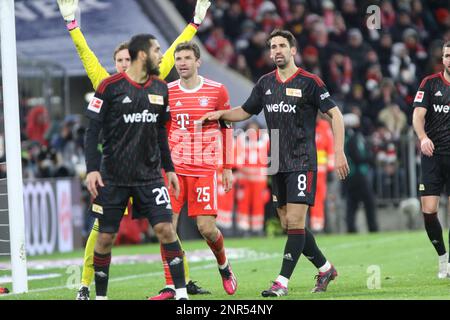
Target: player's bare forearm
x,y
419,122
233,115
337,125
426,145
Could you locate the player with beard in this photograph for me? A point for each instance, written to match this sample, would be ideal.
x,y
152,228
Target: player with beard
x,y
131,109
291,98
97,73
431,121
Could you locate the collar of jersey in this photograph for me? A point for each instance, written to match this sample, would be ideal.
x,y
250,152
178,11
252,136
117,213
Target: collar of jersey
x,y
289,79
191,90
138,85
441,74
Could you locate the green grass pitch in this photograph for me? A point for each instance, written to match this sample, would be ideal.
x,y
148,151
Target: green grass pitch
x,y
371,266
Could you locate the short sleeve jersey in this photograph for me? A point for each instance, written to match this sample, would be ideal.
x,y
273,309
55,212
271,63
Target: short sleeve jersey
x,y
291,108
434,95
130,114
196,151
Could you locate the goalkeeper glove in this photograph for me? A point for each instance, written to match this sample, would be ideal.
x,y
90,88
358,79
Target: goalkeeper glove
x,y
68,9
200,10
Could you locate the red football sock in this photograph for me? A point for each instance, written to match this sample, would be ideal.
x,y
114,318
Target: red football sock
x,y
218,249
167,275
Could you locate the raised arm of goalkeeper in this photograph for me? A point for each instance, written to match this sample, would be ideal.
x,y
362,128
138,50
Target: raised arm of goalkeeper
x,y
95,71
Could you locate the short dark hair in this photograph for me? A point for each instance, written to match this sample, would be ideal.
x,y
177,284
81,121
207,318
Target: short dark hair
x,y
140,42
120,47
188,45
446,44
285,34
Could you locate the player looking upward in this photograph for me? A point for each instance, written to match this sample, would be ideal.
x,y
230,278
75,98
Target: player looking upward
x,y
431,121
291,98
97,73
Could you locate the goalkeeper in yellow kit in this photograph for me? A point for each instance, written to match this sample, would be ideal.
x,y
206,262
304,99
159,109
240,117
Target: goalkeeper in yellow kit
x,y
97,73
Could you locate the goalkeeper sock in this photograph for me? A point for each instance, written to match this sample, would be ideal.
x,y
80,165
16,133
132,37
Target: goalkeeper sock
x,y
101,267
87,275
174,257
434,231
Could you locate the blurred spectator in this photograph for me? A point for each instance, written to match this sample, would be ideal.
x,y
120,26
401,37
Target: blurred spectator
x,y
340,68
387,14
297,23
357,186
252,193
434,64
384,52
338,33
357,50
217,43
393,119
242,67
310,61
416,50
255,55
268,17
402,24
38,122
443,18
350,14
328,14
232,20
250,7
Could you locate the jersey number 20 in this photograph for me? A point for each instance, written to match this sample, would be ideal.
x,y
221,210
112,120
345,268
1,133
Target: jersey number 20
x,y
163,195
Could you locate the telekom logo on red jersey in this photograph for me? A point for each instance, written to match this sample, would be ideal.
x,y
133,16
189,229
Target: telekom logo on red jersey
x,y
183,120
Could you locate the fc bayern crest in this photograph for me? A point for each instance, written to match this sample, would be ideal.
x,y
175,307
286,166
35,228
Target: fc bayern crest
x,y
203,101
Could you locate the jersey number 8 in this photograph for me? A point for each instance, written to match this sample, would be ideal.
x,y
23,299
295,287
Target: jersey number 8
x,y
301,184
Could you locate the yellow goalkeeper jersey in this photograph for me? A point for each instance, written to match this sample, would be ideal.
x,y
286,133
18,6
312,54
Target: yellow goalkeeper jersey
x,y
97,73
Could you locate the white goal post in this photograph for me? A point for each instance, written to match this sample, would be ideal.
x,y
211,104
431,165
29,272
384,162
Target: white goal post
x,y
13,146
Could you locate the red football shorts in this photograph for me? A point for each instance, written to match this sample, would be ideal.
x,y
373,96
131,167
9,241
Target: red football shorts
x,y
200,193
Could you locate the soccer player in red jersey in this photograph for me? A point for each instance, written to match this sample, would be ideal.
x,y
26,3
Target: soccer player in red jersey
x,y
196,153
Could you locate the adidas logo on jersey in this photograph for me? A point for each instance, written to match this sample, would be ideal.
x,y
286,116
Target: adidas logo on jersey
x,y
441,108
281,107
127,100
144,117
208,207
301,194
169,206
438,94
268,92
178,104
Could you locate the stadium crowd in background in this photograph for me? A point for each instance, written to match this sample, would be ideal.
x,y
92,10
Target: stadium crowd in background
x,y
373,74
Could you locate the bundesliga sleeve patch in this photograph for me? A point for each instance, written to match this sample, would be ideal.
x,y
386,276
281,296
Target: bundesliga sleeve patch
x,y
419,96
95,105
